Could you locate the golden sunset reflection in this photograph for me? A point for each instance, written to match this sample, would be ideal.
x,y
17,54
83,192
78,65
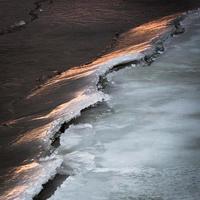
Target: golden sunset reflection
x,y
66,110
145,33
134,41
25,171
38,133
71,74
24,168
22,172
14,193
57,112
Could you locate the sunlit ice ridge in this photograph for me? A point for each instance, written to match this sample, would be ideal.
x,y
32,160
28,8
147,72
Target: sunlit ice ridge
x,y
140,45
143,143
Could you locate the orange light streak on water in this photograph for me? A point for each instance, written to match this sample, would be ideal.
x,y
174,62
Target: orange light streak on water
x,y
134,41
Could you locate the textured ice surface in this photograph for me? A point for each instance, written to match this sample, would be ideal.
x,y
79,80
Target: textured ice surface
x,y
34,175
146,144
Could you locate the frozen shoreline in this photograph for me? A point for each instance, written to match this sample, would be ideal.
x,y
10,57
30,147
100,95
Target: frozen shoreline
x,y
87,94
145,144
150,51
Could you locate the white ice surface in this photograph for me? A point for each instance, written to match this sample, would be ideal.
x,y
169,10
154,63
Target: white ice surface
x,y
146,144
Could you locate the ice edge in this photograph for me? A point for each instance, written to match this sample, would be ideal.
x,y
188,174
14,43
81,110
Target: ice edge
x,y
146,58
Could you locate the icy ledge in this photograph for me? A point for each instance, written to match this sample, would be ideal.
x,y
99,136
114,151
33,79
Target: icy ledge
x,y
142,54
153,48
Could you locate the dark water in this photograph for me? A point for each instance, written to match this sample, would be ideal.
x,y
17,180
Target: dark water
x,y
66,34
